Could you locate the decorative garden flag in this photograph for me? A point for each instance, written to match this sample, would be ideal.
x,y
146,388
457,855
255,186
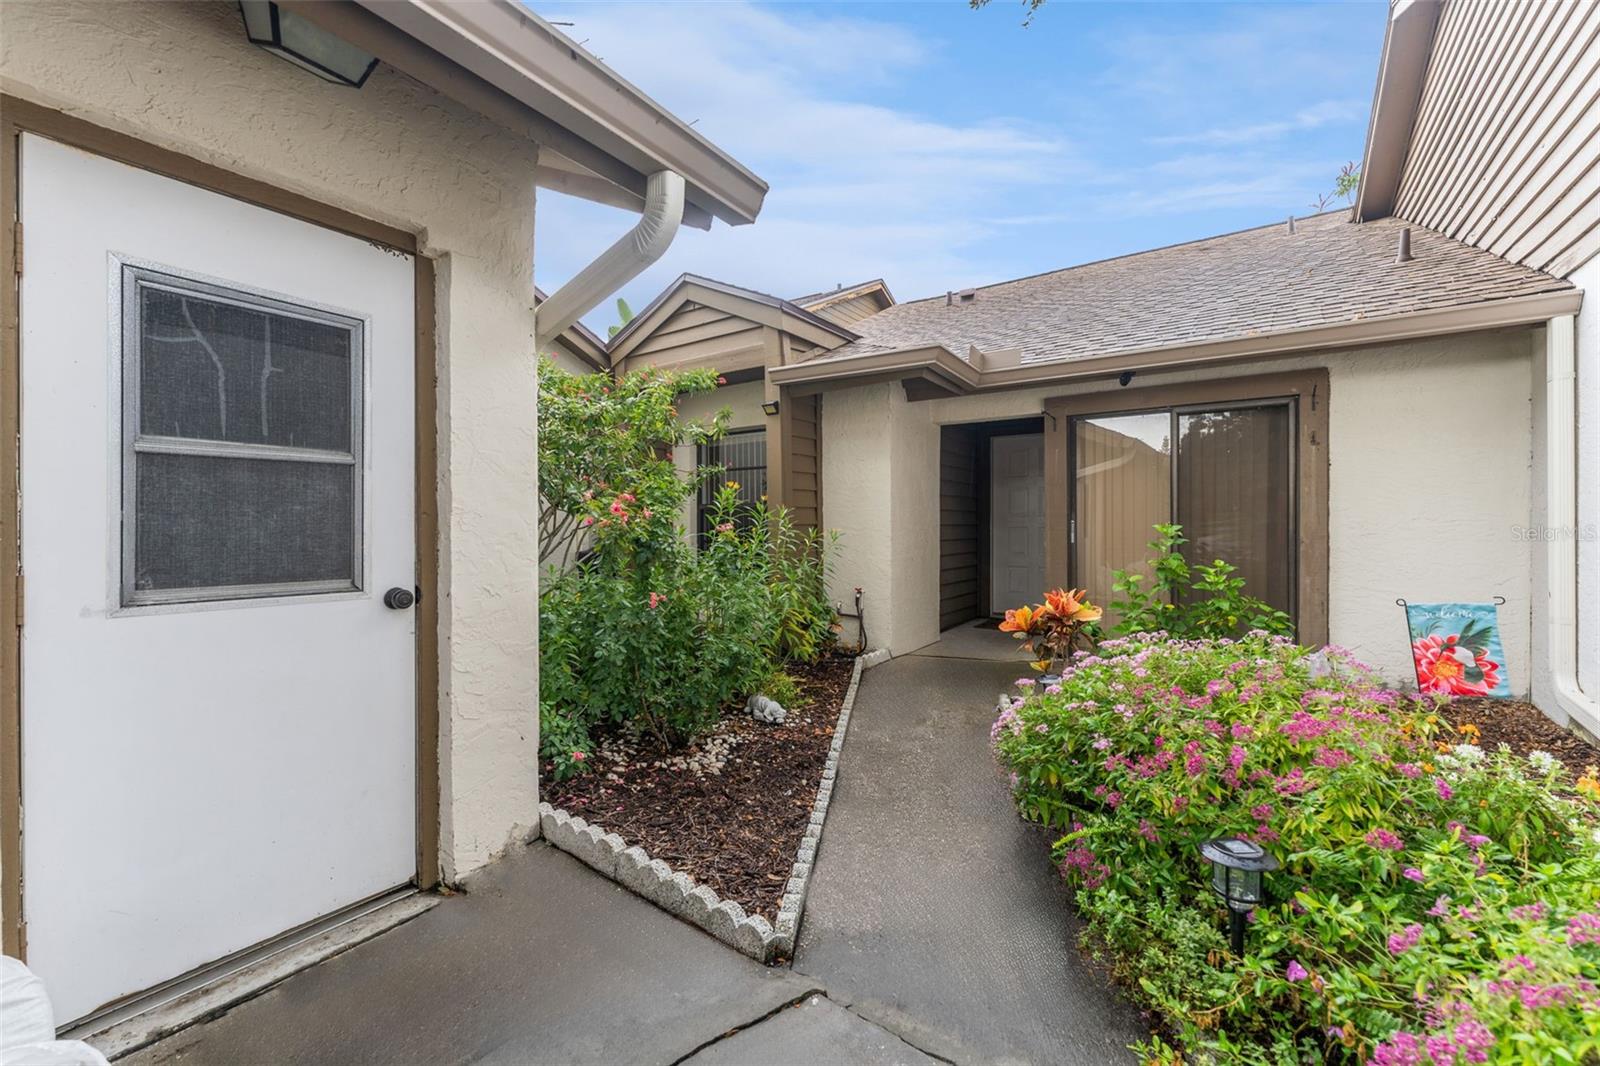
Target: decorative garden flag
x,y
1456,648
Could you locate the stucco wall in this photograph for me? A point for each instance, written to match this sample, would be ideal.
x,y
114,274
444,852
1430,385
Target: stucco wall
x,y
1430,478
856,480
182,76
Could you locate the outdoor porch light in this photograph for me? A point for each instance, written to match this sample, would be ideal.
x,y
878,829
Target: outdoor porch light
x,y
305,44
770,407
1236,869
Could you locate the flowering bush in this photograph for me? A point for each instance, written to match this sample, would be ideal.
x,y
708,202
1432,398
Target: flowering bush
x,y
652,631
635,624
605,456
1437,904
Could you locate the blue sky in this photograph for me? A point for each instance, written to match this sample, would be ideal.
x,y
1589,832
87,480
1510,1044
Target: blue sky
x,y
940,147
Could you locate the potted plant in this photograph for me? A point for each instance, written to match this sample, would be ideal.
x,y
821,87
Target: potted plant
x,y
1052,630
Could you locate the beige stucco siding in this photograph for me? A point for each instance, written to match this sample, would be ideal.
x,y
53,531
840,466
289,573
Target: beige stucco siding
x,y
857,466
1430,477
182,76
1504,150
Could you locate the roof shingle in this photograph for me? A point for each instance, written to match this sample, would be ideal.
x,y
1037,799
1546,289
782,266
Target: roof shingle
x,y
1253,282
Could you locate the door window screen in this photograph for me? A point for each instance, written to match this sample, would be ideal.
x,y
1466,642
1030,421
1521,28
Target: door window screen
x,y
742,456
241,444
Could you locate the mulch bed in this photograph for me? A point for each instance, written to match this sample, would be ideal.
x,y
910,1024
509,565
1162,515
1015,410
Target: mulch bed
x,y
1523,728
735,830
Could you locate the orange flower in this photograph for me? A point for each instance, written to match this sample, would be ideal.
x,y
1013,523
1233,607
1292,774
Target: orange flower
x,y
1072,605
1022,620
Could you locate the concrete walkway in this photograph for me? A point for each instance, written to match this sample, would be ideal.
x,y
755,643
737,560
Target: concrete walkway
x,y
934,910
935,930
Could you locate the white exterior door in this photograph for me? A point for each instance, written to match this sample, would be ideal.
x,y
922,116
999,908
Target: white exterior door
x,y
1016,506
218,711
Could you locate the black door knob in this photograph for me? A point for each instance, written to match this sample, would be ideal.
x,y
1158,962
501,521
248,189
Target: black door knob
x,y
398,599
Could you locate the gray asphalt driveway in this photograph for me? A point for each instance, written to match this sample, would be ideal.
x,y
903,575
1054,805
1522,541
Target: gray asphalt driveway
x,y
934,910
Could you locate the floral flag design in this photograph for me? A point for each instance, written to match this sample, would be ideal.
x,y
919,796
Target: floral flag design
x,y
1456,648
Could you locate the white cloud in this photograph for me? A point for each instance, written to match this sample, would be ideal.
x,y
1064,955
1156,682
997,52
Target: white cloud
x,y
878,168
860,188
1322,114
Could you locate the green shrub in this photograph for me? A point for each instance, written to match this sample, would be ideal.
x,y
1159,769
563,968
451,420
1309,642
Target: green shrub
x,y
563,740
601,437
652,631
1204,601
1437,903
802,561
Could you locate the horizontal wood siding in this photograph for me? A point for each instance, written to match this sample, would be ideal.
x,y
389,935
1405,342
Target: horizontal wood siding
x,y
960,519
803,478
1505,152
848,312
693,332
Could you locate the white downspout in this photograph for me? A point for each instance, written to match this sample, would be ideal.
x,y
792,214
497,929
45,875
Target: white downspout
x,y
619,264
1561,488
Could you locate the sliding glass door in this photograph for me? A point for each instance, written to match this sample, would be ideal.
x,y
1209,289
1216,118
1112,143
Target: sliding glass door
x,y
1225,473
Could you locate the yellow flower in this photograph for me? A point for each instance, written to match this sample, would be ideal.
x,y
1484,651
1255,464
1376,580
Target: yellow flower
x,y
731,484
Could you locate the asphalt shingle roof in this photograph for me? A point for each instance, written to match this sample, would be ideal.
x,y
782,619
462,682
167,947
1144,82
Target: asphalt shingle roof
x,y
1257,281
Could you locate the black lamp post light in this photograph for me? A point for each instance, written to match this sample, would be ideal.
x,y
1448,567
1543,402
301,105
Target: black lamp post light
x,y
1236,869
305,44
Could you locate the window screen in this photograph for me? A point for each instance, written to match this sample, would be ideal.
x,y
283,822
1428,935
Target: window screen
x,y
742,457
242,444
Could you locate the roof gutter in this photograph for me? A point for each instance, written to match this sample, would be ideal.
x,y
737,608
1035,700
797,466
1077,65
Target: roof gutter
x,y
621,263
524,57
1561,479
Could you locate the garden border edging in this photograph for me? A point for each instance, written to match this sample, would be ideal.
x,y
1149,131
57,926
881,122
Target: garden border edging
x,y
678,894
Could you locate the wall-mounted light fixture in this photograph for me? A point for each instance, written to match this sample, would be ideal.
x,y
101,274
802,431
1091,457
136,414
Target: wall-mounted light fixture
x,y
770,407
305,44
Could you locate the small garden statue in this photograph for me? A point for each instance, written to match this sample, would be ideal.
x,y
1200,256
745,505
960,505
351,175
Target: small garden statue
x,y
765,709
1051,630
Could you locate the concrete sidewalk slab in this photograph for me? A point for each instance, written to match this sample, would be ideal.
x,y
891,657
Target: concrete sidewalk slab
x,y
934,910
977,640
541,962
812,1033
